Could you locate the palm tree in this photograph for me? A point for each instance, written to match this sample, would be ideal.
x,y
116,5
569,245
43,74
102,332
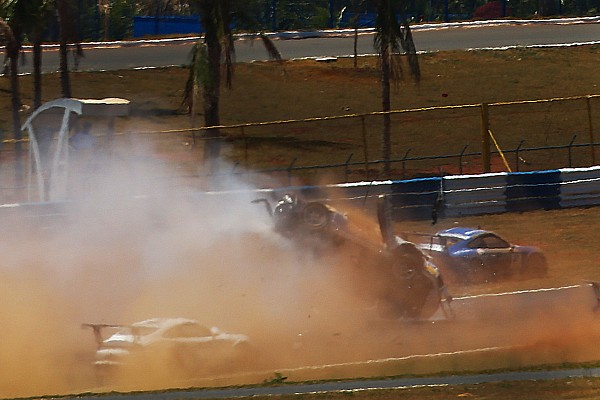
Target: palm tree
x,y
211,57
391,39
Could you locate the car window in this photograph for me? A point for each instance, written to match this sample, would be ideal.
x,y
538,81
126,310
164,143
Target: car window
x,y
451,241
488,242
476,243
494,242
141,330
186,331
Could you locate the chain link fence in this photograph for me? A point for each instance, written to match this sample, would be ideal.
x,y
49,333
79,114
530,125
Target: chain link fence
x,y
431,141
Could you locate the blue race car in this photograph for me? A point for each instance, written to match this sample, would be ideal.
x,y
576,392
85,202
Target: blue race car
x,y
476,256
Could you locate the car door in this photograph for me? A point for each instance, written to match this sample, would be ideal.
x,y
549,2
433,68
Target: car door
x,y
496,254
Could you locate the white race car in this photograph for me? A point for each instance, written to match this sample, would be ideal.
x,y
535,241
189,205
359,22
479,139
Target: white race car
x,y
181,345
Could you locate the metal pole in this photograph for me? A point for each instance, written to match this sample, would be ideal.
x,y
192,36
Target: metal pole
x,y
485,138
460,160
570,149
589,111
404,163
517,158
290,169
245,148
346,166
365,146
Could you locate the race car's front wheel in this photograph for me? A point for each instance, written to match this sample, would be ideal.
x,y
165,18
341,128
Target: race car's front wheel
x,y
315,215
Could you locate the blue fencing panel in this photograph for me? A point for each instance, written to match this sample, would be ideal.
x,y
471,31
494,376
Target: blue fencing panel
x,y
166,25
527,191
415,199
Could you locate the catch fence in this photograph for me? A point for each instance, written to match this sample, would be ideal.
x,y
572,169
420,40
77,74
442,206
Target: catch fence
x,y
429,141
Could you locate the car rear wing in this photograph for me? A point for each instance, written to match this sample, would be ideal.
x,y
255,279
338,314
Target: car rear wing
x,y
98,328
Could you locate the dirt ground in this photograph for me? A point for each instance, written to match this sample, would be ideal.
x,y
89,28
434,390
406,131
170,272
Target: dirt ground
x,y
118,259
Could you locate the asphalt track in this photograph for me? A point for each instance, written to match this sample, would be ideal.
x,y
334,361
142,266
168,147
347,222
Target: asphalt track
x,y
428,38
353,386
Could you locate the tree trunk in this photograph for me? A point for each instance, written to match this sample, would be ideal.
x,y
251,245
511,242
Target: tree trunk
x,y
386,142
547,8
65,83
37,73
355,48
211,90
16,106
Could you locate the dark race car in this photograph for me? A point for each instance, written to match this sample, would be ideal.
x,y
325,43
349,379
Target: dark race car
x,y
477,256
393,271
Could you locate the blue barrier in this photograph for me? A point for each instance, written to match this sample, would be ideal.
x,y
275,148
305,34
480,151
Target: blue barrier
x,y
166,25
464,195
527,191
438,197
415,198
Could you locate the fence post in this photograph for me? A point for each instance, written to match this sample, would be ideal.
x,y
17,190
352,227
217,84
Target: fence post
x,y
570,149
460,160
485,138
517,158
404,163
245,147
346,166
365,148
290,169
589,111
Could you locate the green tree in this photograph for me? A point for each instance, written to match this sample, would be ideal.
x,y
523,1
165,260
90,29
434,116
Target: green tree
x,y
392,38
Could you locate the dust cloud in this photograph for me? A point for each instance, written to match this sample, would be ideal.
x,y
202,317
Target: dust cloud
x,y
131,247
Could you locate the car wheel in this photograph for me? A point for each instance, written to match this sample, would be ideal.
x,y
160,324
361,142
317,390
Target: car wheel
x,y
535,266
315,215
417,297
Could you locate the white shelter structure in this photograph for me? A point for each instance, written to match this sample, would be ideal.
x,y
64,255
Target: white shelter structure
x,y
51,137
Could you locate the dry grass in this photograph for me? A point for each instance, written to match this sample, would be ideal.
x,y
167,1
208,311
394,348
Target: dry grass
x,y
296,90
305,89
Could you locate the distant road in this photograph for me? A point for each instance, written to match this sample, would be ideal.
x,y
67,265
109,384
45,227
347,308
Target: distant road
x,y
428,38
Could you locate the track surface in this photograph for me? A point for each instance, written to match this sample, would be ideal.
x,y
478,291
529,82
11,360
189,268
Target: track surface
x,y
484,332
114,56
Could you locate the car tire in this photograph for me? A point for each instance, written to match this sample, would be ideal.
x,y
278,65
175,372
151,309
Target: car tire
x,y
535,266
315,215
